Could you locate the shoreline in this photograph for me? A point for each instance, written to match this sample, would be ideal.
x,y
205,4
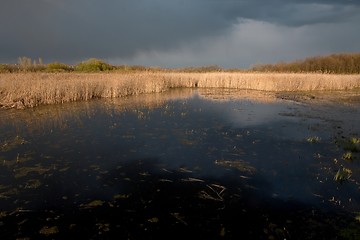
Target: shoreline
x,y
27,90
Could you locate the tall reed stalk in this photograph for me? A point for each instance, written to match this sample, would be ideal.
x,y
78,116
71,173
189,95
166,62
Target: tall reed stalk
x,y
21,90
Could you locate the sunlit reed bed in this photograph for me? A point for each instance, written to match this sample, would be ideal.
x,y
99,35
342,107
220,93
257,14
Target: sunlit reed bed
x,y
20,90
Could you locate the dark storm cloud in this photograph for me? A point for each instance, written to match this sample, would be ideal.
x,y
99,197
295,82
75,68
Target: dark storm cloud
x,y
72,30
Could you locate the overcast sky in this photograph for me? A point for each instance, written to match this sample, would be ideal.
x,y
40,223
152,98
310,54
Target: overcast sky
x,y
178,33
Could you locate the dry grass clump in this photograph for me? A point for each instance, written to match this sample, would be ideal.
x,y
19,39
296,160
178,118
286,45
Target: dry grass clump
x,y
19,90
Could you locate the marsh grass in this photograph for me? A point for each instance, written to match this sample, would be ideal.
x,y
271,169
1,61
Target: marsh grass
x,y
348,156
21,90
351,145
342,175
313,139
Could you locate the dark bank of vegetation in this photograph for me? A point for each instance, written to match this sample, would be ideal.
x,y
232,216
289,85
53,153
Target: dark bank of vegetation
x,y
335,63
26,64
332,64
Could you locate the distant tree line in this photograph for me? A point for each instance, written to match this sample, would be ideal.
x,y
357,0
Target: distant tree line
x,y
335,63
26,64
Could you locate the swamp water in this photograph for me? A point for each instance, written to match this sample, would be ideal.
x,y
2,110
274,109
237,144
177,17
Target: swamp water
x,y
203,164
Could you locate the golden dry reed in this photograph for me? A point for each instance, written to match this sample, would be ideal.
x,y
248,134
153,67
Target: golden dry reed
x,y
19,90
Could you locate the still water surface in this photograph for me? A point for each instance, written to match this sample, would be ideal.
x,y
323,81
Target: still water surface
x,y
185,163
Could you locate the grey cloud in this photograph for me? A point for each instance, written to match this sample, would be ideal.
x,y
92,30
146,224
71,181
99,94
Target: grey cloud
x,y
72,30
249,42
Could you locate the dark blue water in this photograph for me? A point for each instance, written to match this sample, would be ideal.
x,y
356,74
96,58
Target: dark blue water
x,y
177,165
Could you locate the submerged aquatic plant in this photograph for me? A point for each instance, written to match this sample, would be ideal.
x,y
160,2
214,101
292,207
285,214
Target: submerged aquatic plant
x,y
353,145
11,144
24,171
357,218
238,164
314,139
92,204
352,230
47,231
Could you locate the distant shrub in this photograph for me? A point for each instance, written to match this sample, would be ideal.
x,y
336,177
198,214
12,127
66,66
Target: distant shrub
x,y
93,65
202,69
136,68
4,68
58,67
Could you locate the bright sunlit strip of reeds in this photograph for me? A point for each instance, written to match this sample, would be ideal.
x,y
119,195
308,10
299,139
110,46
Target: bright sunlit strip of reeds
x,y
33,89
